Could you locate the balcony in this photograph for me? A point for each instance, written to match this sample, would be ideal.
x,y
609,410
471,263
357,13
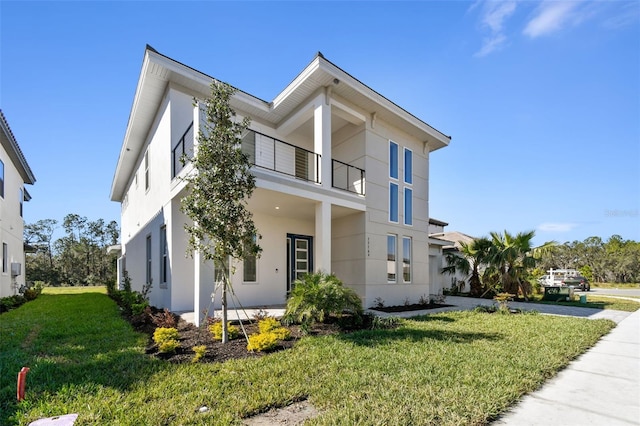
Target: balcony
x,y
275,155
272,154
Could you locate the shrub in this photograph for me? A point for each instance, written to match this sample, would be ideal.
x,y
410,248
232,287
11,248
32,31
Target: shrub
x,y
164,319
168,346
200,351
318,295
262,342
216,330
166,339
11,302
162,334
268,324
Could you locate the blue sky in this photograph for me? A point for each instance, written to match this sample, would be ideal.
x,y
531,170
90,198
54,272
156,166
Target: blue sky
x,y
542,99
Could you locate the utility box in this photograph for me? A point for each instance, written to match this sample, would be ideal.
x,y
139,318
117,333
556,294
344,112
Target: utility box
x,y
16,269
557,293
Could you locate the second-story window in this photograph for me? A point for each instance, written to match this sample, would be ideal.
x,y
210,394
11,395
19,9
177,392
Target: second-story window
x,y
408,166
1,179
393,160
393,202
408,206
21,199
146,170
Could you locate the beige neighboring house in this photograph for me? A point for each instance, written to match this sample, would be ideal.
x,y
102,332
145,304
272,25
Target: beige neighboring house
x,y
450,243
342,177
14,174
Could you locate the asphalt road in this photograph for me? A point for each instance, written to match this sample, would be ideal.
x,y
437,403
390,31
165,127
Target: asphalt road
x,y
616,292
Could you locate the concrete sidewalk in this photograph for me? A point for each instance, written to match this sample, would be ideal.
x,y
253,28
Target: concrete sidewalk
x,y
600,387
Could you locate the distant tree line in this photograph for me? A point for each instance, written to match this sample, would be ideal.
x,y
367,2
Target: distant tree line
x,y
78,258
615,260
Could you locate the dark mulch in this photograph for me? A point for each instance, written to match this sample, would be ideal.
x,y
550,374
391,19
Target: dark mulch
x,y
190,336
412,307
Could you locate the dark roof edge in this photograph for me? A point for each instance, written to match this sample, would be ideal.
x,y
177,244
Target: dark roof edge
x,y
31,179
150,48
384,97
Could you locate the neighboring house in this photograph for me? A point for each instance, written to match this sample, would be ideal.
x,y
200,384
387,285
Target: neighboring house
x,y
14,174
341,186
450,244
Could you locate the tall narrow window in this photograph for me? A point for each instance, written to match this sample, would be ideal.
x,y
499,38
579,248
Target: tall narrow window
x,y
408,166
1,179
408,206
393,160
164,256
21,199
406,259
391,258
146,170
393,202
148,259
250,269
5,257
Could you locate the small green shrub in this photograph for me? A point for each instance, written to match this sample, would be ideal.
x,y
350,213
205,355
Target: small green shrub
x,y
216,330
200,351
267,324
11,302
262,342
139,308
166,339
168,346
318,295
162,334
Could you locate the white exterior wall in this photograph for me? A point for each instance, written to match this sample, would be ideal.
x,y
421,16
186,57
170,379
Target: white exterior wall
x,y
378,225
11,227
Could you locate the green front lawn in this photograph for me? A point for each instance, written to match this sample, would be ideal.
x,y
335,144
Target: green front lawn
x,y
450,368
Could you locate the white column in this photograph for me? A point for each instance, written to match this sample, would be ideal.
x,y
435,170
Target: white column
x,y
323,237
322,136
197,272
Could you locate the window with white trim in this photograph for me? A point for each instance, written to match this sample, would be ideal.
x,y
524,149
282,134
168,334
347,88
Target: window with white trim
x,y
408,206
408,166
393,160
393,202
1,179
148,247
5,257
406,259
164,256
146,170
392,250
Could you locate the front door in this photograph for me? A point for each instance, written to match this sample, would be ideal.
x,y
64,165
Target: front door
x,y
299,257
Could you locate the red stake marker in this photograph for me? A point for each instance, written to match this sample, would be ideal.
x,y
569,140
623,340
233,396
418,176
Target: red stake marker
x,y
22,381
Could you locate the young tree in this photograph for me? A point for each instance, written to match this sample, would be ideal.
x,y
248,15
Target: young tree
x,y
219,187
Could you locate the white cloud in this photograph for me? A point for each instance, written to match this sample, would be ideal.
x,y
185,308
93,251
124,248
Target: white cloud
x,y
552,16
557,227
494,16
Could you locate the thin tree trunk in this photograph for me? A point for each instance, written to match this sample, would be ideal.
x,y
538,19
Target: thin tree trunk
x,y
225,331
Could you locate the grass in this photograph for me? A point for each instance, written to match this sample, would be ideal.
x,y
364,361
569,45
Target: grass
x,y
75,290
597,302
451,369
616,285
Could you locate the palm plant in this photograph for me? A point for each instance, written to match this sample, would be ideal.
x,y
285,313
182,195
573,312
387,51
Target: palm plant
x,y
510,259
315,296
474,255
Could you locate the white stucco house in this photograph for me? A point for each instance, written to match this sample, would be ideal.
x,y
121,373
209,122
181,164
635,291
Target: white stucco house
x,y
342,178
15,173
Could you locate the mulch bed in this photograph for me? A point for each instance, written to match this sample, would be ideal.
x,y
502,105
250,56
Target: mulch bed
x,y
190,336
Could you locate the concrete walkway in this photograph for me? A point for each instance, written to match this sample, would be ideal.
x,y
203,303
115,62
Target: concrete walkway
x,y
600,387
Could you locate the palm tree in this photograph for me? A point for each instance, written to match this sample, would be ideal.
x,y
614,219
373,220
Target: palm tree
x,y
474,255
511,257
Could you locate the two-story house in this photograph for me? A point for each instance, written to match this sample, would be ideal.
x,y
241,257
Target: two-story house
x,y
14,174
342,177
